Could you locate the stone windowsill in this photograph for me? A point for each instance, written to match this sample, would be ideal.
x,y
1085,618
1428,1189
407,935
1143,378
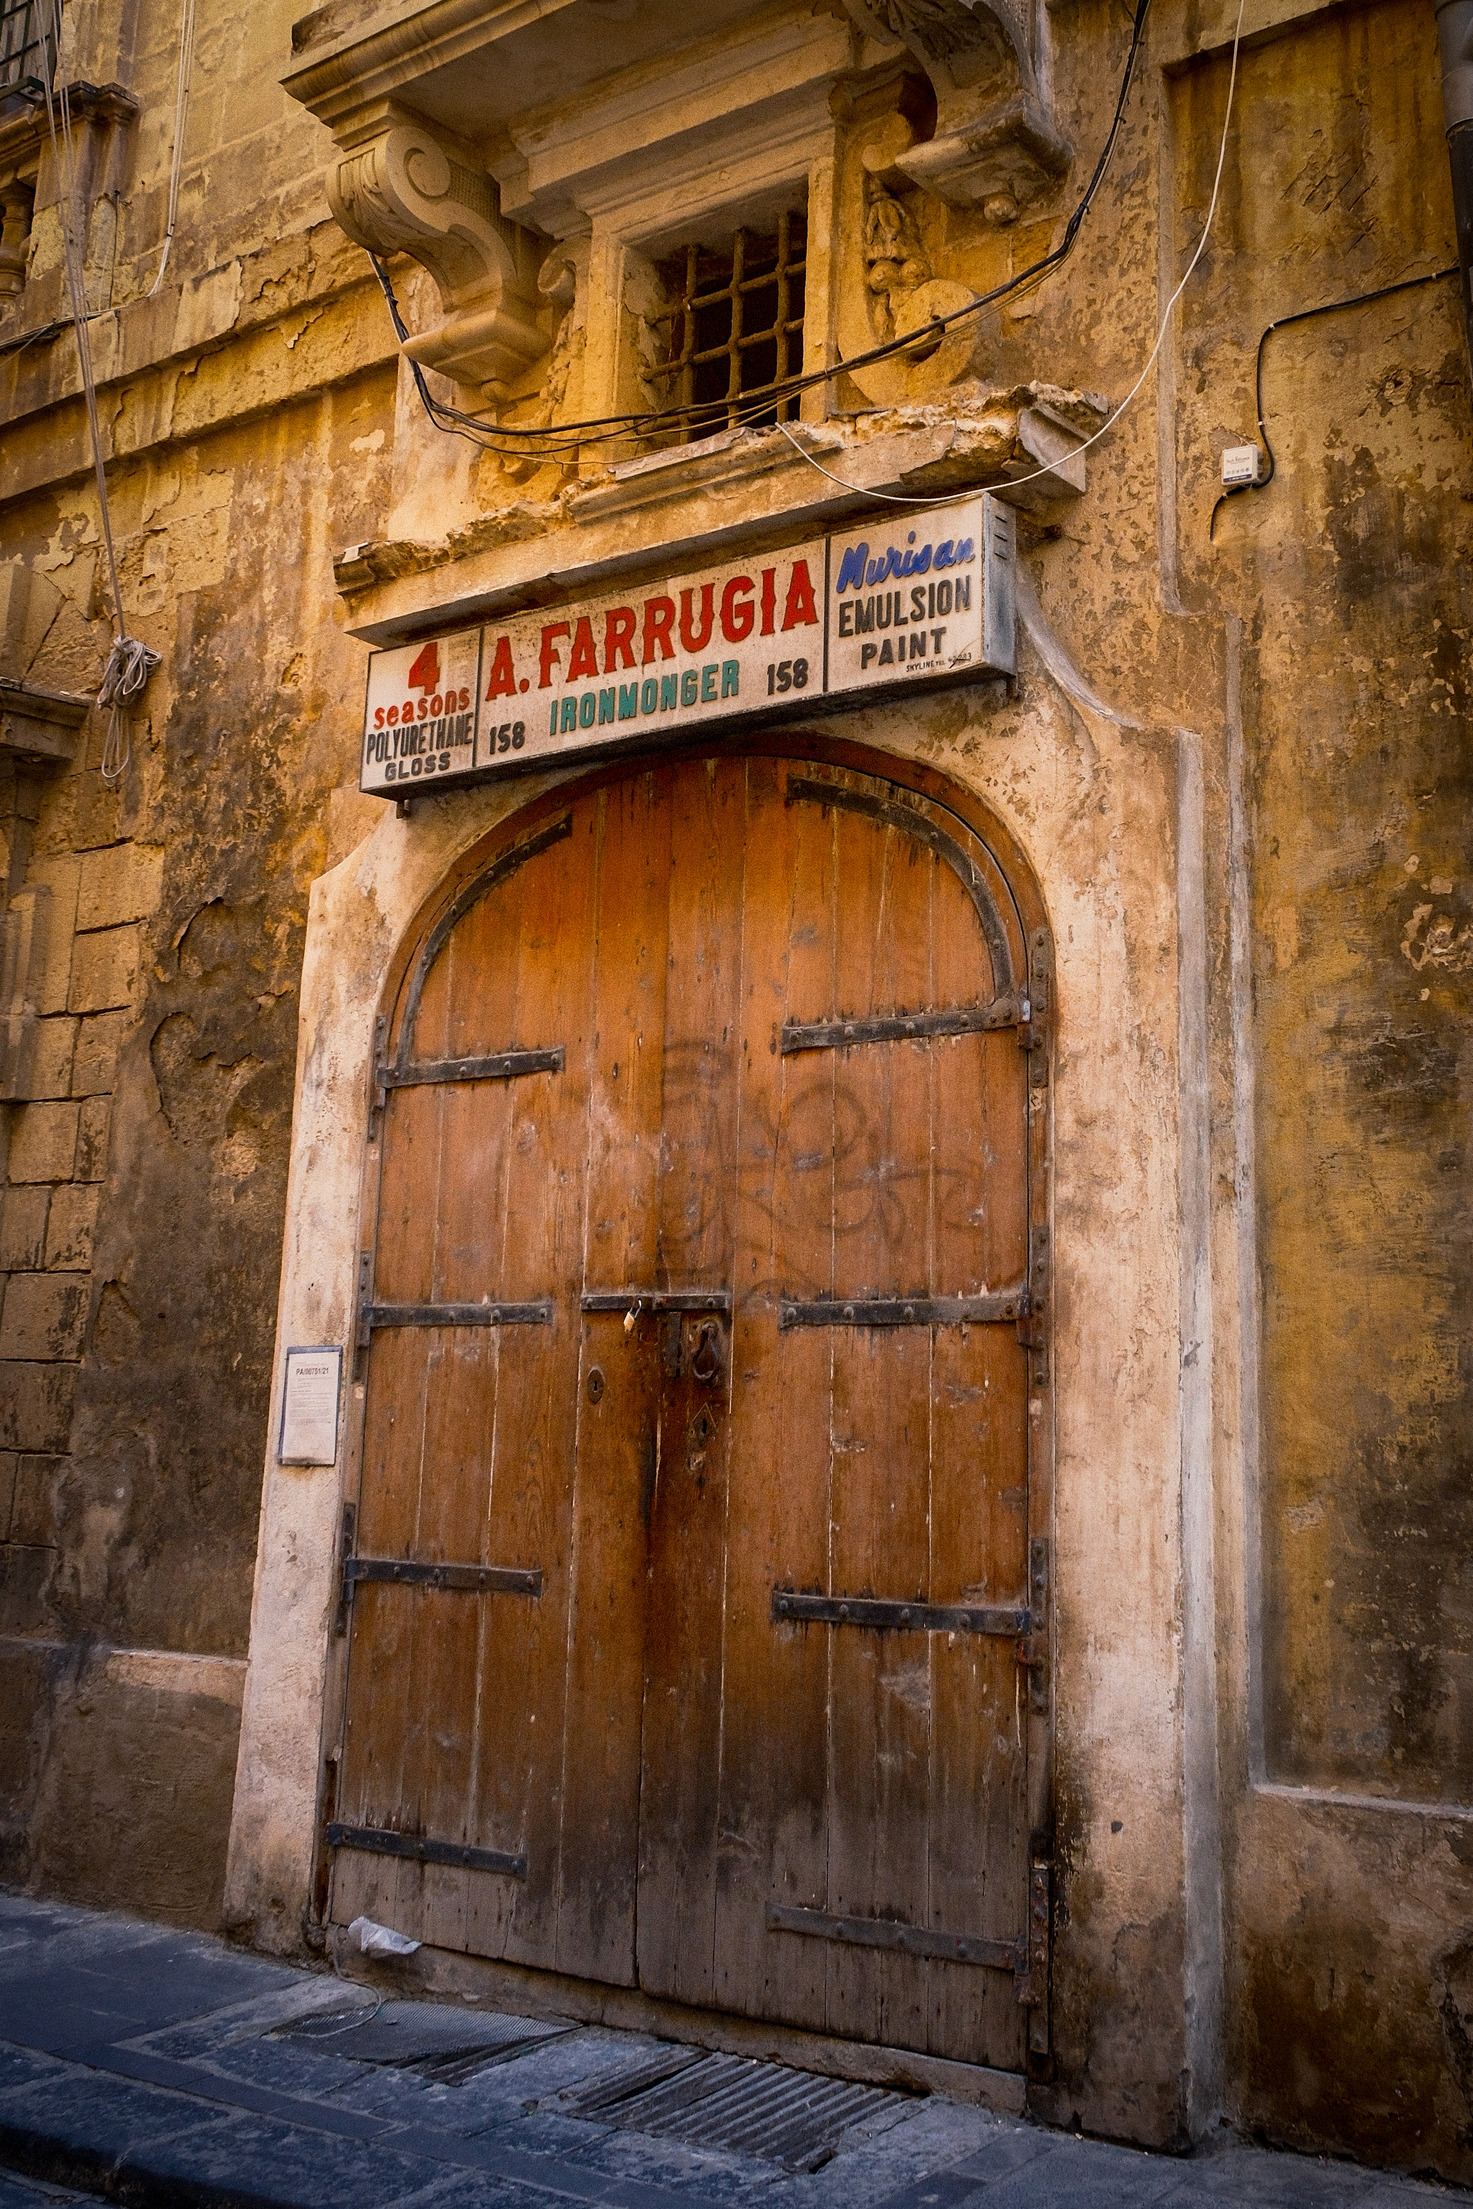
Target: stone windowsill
x,y
706,500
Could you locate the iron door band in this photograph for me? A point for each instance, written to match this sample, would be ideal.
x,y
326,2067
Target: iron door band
x,y
656,1300
997,1309
423,1849
499,1066
455,1315
931,1944
903,1027
457,1579
793,1606
449,1579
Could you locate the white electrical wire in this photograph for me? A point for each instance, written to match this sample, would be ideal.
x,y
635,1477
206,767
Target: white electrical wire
x,y
181,114
129,663
949,498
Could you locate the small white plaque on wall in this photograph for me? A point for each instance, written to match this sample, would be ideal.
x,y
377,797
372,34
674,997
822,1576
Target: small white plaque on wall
x,y
309,1406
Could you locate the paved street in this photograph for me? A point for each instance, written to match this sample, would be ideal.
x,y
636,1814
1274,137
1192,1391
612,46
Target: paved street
x,y
147,2066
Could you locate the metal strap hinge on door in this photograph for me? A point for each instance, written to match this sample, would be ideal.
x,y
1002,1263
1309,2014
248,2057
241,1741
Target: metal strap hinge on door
x,y
992,1310
1021,1305
656,1300
794,1606
1026,1958
906,1027
410,1572
509,1065
424,1849
1027,1625
373,1316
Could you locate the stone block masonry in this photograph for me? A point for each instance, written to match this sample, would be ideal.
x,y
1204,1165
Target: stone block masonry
x,y
77,1002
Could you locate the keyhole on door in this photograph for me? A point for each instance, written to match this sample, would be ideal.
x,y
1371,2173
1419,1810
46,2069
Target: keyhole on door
x,y
595,1384
706,1364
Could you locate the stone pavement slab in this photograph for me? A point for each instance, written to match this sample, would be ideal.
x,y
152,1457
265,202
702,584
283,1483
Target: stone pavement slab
x,y
145,2065
34,2193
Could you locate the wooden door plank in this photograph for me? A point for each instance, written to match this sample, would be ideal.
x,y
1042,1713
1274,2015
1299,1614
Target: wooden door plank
x,y
521,1676
617,1436
377,1767
775,1678
881,1685
441,1662
479,962
377,1715
979,1516
681,1732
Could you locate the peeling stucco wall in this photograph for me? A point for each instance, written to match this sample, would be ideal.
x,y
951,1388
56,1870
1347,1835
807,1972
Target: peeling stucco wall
x,y
1346,2012
1256,872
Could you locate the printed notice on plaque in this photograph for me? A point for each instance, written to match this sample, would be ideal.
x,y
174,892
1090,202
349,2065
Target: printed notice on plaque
x,y
309,1407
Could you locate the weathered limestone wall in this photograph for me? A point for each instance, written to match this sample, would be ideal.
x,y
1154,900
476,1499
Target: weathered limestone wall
x,y
1348,1990
145,1184
1255,870
141,1215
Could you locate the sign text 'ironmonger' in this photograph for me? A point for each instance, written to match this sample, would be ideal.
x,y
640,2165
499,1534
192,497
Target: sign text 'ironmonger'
x,y
882,607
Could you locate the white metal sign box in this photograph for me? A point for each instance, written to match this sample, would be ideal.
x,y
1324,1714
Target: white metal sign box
x,y
915,601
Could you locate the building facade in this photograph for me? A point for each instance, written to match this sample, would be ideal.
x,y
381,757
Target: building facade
x,y
735,1235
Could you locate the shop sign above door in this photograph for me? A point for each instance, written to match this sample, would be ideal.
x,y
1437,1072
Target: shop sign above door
x,y
890,605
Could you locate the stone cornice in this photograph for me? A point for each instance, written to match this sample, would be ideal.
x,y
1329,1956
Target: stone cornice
x,y
24,135
37,724
748,486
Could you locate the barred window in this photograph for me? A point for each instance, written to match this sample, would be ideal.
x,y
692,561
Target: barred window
x,y
27,59
734,328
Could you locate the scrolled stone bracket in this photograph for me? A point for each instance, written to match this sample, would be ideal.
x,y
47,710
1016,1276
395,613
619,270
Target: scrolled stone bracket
x,y
995,144
406,191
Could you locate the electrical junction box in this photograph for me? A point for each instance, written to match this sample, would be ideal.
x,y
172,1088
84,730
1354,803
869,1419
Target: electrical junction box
x,y
1241,464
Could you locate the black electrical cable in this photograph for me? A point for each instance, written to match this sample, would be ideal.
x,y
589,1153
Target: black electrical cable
x,y
41,336
565,436
1307,314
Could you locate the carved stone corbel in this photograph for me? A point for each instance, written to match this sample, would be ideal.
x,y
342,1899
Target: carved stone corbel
x,y
408,191
995,145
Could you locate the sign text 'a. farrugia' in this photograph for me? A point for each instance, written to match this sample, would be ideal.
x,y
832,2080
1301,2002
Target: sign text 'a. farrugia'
x,y
890,604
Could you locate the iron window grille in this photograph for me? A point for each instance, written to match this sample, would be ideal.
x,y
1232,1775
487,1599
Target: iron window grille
x,y
27,50
735,329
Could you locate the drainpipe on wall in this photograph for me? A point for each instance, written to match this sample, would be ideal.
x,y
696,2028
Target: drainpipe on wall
x,y
1455,37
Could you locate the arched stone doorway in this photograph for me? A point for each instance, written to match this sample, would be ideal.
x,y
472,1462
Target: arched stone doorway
x,y
698,1633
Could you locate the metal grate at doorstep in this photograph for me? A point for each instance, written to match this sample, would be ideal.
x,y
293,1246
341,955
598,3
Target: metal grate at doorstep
x,y
435,2042
738,2103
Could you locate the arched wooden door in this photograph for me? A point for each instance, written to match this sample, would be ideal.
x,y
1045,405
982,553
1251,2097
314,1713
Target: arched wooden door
x,y
690,1617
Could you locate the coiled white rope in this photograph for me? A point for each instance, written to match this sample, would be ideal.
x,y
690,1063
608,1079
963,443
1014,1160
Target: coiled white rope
x,y
129,665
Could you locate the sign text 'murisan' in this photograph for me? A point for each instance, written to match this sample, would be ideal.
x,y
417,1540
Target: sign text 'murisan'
x,y
918,601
